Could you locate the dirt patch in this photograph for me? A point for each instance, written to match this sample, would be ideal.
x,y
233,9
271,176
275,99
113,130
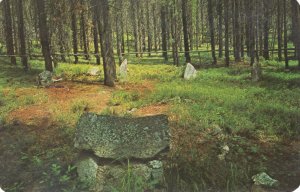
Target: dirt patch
x,y
152,110
32,115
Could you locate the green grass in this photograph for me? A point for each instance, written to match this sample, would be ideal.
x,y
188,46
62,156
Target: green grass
x,y
219,98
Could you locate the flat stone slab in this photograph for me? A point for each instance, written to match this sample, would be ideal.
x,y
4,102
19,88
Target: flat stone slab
x,y
122,138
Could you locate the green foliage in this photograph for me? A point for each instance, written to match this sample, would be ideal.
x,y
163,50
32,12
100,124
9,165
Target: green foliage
x,y
79,106
57,177
227,98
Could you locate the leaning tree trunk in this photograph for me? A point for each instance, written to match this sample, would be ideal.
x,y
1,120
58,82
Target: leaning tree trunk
x,y
44,34
22,36
9,32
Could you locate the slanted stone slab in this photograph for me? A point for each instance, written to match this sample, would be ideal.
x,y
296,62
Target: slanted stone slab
x,y
190,72
121,138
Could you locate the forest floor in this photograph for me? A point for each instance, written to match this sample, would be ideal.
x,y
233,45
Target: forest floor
x,y
259,122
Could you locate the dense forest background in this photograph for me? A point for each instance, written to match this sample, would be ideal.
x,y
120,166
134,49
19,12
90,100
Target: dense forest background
x,y
232,30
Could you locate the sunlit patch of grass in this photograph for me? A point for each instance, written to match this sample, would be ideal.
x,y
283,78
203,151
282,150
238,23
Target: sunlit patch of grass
x,y
79,106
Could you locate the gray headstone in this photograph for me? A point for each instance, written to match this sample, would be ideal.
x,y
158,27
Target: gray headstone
x,y
45,78
123,69
95,71
190,72
121,137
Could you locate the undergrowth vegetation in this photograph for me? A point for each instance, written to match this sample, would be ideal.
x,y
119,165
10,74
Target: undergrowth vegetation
x,y
221,107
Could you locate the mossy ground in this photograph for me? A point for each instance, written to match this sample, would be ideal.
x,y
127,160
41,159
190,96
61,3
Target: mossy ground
x,y
260,123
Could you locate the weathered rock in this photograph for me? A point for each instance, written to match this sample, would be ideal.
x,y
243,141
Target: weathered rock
x,y
87,171
45,78
190,72
123,69
115,176
264,179
121,137
95,71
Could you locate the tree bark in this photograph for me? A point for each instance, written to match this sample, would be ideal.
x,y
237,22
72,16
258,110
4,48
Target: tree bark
x,y
286,59
74,32
212,31
296,27
109,63
220,31
226,20
9,32
279,29
266,29
164,32
44,34
22,36
185,32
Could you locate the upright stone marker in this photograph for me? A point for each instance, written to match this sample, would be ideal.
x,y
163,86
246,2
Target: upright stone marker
x,y
190,72
123,69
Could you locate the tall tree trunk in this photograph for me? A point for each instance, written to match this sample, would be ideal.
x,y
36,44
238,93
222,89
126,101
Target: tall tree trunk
x,y
198,25
9,31
135,25
212,31
154,28
96,32
226,20
164,32
185,31
174,32
279,29
84,32
220,30
285,35
296,27
109,63
44,34
251,33
149,30
22,36
266,29
237,31
74,32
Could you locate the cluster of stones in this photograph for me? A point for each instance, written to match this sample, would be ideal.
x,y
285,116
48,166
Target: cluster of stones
x,y
114,145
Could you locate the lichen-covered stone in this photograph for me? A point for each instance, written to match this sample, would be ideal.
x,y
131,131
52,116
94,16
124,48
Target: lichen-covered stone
x,y
45,78
87,171
122,138
118,176
264,180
